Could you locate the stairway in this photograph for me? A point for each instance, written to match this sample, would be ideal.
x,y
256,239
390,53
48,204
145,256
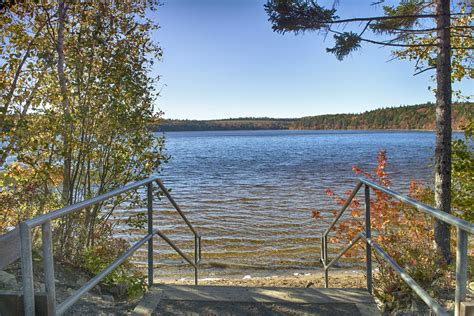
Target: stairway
x,y
233,300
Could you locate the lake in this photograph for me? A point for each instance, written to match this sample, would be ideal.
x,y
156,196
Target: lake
x,y
251,193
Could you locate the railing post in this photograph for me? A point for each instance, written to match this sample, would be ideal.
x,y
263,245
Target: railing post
x,y
48,266
150,231
325,260
461,270
27,270
322,249
199,239
368,234
196,251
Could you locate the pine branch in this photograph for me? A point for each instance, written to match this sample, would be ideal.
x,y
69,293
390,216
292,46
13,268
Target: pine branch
x,y
431,30
390,43
395,17
365,28
386,43
422,71
425,52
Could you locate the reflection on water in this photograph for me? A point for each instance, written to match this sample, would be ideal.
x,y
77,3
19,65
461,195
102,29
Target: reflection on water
x,y
251,193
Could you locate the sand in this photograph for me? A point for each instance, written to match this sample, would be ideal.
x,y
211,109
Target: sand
x,y
337,279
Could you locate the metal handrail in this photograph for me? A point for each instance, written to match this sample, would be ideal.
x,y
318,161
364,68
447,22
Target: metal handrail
x,y
463,228
344,207
443,216
48,261
36,221
175,205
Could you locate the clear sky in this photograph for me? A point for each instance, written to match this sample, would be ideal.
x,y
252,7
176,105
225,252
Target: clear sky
x,y
222,59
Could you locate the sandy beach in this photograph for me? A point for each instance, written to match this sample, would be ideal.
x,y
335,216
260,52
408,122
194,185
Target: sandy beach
x,y
337,279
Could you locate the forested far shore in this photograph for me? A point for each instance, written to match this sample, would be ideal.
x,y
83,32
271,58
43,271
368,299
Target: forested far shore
x,y
413,117
225,124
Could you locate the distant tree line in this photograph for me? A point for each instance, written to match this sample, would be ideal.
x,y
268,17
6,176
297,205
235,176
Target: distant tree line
x,y
222,125
414,117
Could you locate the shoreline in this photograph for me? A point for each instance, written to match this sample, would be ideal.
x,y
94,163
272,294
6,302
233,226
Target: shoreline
x,y
337,279
394,130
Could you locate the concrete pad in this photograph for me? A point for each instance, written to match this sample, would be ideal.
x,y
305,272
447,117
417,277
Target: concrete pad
x,y
191,308
262,294
234,300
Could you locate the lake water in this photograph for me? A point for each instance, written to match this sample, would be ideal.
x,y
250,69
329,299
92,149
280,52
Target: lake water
x,y
251,193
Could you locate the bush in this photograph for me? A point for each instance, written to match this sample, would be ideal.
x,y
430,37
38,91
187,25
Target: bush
x,y
25,193
127,277
462,182
403,232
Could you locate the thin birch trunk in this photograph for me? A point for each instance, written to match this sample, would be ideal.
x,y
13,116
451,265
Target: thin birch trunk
x,y
67,133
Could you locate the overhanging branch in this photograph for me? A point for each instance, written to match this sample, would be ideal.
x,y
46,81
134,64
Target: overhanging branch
x,y
383,18
401,45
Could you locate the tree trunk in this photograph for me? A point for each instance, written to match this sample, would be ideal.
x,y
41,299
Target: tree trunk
x,y
67,133
443,128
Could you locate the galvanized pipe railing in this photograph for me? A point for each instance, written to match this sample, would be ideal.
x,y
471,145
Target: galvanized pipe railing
x,y
48,261
175,205
463,229
197,237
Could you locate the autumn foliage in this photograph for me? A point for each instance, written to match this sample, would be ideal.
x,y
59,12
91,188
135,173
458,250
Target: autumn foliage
x,y
403,232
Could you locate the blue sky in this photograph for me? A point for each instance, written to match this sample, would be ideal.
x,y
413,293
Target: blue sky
x,y
222,59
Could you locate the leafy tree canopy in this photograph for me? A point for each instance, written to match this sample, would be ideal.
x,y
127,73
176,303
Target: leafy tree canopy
x,y
108,53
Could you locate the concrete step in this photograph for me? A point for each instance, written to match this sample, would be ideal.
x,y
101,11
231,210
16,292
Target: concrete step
x,y
233,300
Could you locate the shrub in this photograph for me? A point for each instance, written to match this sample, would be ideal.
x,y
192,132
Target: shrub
x,y
25,193
127,276
403,232
462,183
